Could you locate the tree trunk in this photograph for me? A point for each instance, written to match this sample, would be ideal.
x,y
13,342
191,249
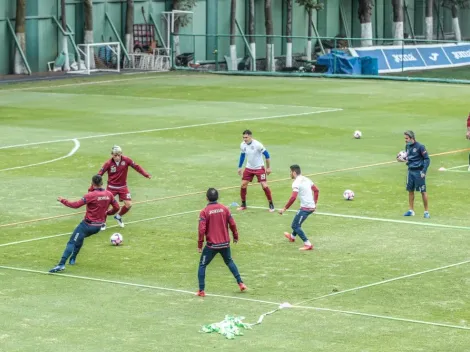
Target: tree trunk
x,y
365,14
251,30
19,64
309,34
289,34
88,38
130,26
65,49
428,20
455,23
268,21
397,28
233,31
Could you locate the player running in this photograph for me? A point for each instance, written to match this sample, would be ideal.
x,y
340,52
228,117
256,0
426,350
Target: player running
x,y
254,151
308,193
117,168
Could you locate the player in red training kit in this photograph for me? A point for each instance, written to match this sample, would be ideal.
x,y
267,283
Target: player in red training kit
x,y
214,221
468,137
97,203
117,168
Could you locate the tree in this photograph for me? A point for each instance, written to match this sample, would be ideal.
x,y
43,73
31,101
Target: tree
x,y
181,20
88,37
289,34
309,6
428,20
365,15
268,23
129,37
19,65
65,49
397,28
454,6
233,31
251,30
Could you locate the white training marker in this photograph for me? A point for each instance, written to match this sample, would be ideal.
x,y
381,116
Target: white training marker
x,y
442,169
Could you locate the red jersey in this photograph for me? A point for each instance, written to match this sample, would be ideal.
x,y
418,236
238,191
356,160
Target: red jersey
x,y
117,172
214,221
97,204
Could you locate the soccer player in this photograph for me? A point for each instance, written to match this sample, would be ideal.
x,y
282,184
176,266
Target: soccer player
x,y
308,193
97,204
214,221
254,151
418,162
117,168
468,137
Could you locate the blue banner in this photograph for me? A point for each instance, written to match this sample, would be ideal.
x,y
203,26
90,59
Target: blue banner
x,y
416,57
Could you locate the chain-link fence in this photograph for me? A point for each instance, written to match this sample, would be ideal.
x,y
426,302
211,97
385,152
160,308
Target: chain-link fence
x,y
338,56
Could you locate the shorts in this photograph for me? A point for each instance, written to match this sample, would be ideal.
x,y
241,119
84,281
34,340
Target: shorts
x,y
249,174
414,181
123,192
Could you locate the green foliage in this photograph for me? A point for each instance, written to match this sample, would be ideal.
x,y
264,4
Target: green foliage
x,y
310,4
462,4
183,5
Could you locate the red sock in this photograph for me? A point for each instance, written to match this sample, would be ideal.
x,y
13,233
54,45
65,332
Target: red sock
x,y
243,194
124,210
267,191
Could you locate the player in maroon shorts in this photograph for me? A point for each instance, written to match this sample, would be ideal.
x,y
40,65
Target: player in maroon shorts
x,y
117,168
254,152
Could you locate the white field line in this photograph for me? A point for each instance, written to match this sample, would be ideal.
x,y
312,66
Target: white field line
x,y
122,283
173,128
420,223
456,171
384,281
455,167
384,317
240,298
109,227
72,152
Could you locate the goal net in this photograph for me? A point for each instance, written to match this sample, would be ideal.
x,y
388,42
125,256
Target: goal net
x,y
98,57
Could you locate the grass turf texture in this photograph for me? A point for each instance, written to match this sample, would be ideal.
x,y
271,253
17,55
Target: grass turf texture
x,y
52,313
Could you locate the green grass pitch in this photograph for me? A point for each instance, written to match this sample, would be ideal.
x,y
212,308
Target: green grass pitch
x,y
370,283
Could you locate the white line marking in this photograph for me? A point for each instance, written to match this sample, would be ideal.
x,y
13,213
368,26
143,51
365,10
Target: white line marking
x,y
109,227
384,317
193,293
174,128
385,281
456,167
421,223
456,171
72,152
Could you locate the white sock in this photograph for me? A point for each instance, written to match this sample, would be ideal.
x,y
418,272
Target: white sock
x,y
118,216
307,243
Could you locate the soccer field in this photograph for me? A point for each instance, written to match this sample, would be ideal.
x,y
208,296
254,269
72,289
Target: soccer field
x,y
376,281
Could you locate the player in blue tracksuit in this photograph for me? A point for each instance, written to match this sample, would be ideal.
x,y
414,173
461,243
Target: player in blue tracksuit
x,y
418,162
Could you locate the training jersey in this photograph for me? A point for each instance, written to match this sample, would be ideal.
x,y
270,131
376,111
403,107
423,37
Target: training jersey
x,y
417,157
214,221
303,186
97,203
117,172
254,154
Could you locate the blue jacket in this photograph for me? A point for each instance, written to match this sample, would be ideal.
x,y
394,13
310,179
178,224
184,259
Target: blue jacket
x,y
418,158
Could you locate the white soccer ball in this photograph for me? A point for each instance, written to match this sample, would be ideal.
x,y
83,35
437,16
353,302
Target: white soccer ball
x,y
348,194
402,156
116,239
357,134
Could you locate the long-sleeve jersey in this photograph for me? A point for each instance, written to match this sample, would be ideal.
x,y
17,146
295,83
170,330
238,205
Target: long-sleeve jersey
x,y
306,190
418,158
117,172
214,221
97,204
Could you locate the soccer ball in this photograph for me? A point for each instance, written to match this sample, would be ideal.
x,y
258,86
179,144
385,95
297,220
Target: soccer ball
x,y
116,239
402,156
357,134
348,194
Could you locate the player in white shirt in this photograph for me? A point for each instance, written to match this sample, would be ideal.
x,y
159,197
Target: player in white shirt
x,y
254,152
308,194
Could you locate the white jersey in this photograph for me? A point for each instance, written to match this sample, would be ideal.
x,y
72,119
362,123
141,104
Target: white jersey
x,y
303,185
254,154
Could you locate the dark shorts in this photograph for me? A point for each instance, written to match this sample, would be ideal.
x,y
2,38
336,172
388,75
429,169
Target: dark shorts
x,y
249,174
414,181
123,193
